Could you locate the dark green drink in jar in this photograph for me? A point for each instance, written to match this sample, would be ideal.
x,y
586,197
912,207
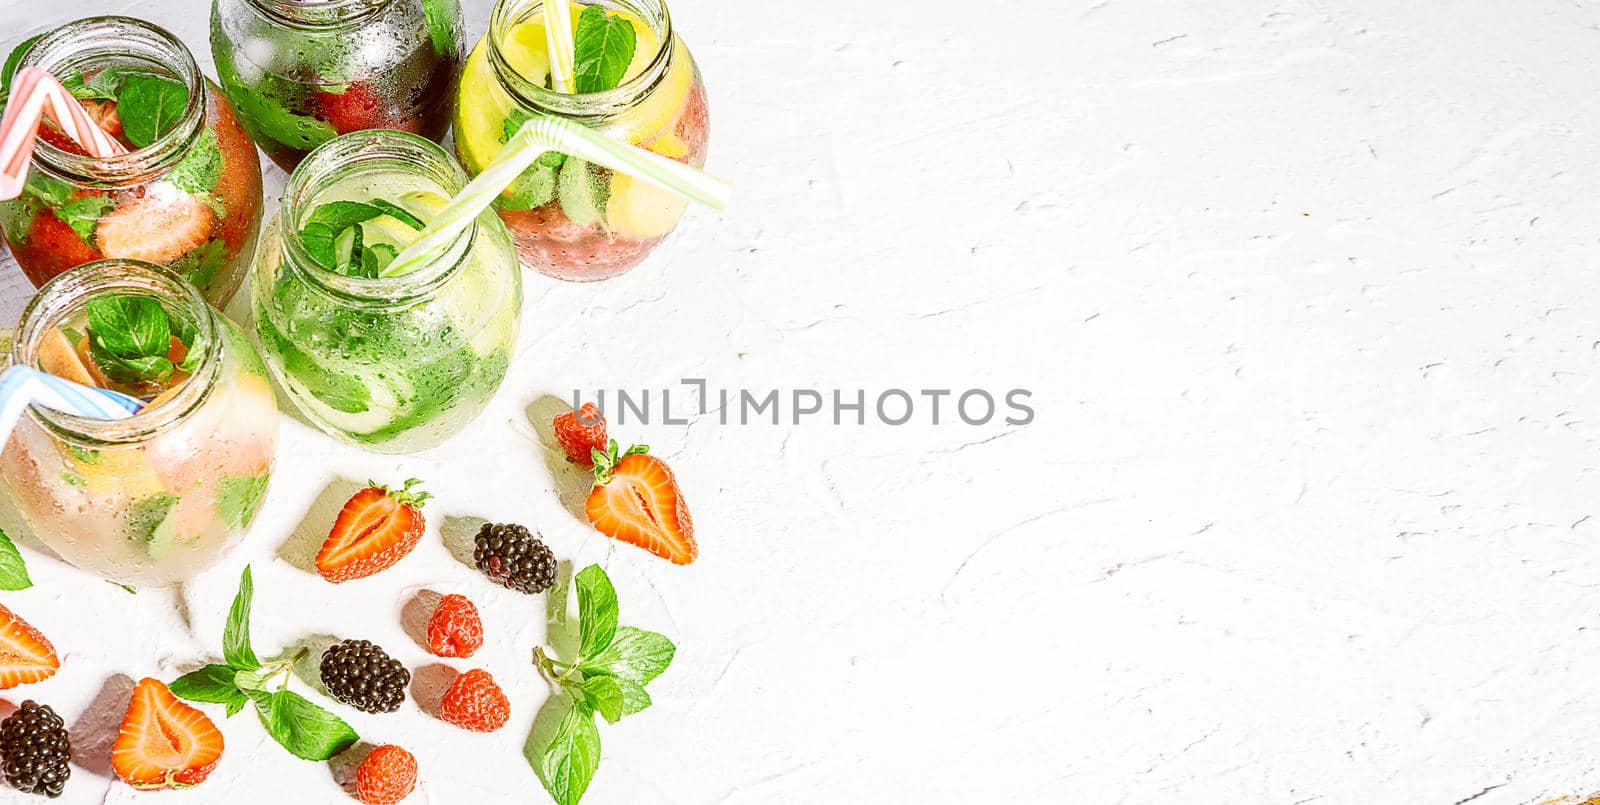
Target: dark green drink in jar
x,y
302,72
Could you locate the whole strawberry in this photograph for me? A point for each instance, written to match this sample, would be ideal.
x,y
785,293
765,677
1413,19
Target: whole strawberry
x,y
455,629
386,776
474,702
582,433
376,528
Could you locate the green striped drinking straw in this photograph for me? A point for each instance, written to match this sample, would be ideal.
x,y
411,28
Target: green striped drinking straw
x,y
547,133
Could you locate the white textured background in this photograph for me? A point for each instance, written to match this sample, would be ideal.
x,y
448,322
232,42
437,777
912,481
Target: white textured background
x,y
1306,292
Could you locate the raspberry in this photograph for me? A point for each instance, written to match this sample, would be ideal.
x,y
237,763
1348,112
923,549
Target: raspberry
x,y
455,629
580,432
474,702
386,776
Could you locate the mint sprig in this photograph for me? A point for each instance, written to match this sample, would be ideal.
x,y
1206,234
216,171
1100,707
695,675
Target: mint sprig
x,y
602,49
130,336
299,725
334,236
608,678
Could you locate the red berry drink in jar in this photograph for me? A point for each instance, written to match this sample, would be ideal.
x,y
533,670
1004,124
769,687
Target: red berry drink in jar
x,y
302,72
635,81
187,195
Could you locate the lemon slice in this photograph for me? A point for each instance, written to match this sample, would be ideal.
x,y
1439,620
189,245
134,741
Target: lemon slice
x,y
640,210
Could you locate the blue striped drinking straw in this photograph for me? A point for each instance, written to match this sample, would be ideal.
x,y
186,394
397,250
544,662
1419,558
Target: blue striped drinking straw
x,y
22,386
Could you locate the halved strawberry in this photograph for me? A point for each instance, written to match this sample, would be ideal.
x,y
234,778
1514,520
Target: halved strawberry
x,y
375,529
161,226
58,138
50,248
636,499
105,116
580,433
163,742
25,655
359,108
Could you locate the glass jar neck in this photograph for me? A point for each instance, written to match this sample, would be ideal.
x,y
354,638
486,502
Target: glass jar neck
x,y
91,45
345,160
318,14
593,108
64,297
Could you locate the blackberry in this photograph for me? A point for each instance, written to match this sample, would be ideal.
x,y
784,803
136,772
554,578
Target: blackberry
x,y
359,674
34,749
513,557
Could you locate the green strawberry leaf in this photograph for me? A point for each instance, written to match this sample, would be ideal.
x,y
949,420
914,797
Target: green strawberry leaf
x,y
569,763
236,635
13,572
300,726
602,50
597,610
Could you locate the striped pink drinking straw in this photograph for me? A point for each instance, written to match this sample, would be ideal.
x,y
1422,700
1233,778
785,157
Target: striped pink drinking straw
x,y
36,94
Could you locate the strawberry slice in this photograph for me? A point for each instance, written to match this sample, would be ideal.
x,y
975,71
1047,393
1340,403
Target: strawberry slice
x,y
377,527
161,226
25,655
50,248
636,500
163,742
58,138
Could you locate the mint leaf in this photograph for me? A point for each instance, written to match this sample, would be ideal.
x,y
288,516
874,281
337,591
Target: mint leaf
x,y
201,168
199,267
306,730
597,608
604,694
569,763
602,50
238,499
341,214
84,213
52,192
213,683
150,105
634,654
13,572
236,635
129,325
13,60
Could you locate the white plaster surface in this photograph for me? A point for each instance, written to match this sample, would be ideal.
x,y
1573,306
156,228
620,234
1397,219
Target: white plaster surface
x,y
1306,295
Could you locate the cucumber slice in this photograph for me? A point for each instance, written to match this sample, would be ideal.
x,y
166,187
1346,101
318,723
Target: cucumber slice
x,y
582,193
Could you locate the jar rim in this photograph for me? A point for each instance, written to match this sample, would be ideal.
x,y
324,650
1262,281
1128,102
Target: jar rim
x,y
584,105
318,14
68,292
371,150
93,40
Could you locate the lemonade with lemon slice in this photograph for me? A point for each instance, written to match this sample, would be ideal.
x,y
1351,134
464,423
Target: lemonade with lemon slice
x,y
572,219
389,363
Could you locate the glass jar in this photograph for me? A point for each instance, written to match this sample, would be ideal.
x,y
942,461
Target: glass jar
x,y
156,498
302,72
391,364
570,219
189,199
